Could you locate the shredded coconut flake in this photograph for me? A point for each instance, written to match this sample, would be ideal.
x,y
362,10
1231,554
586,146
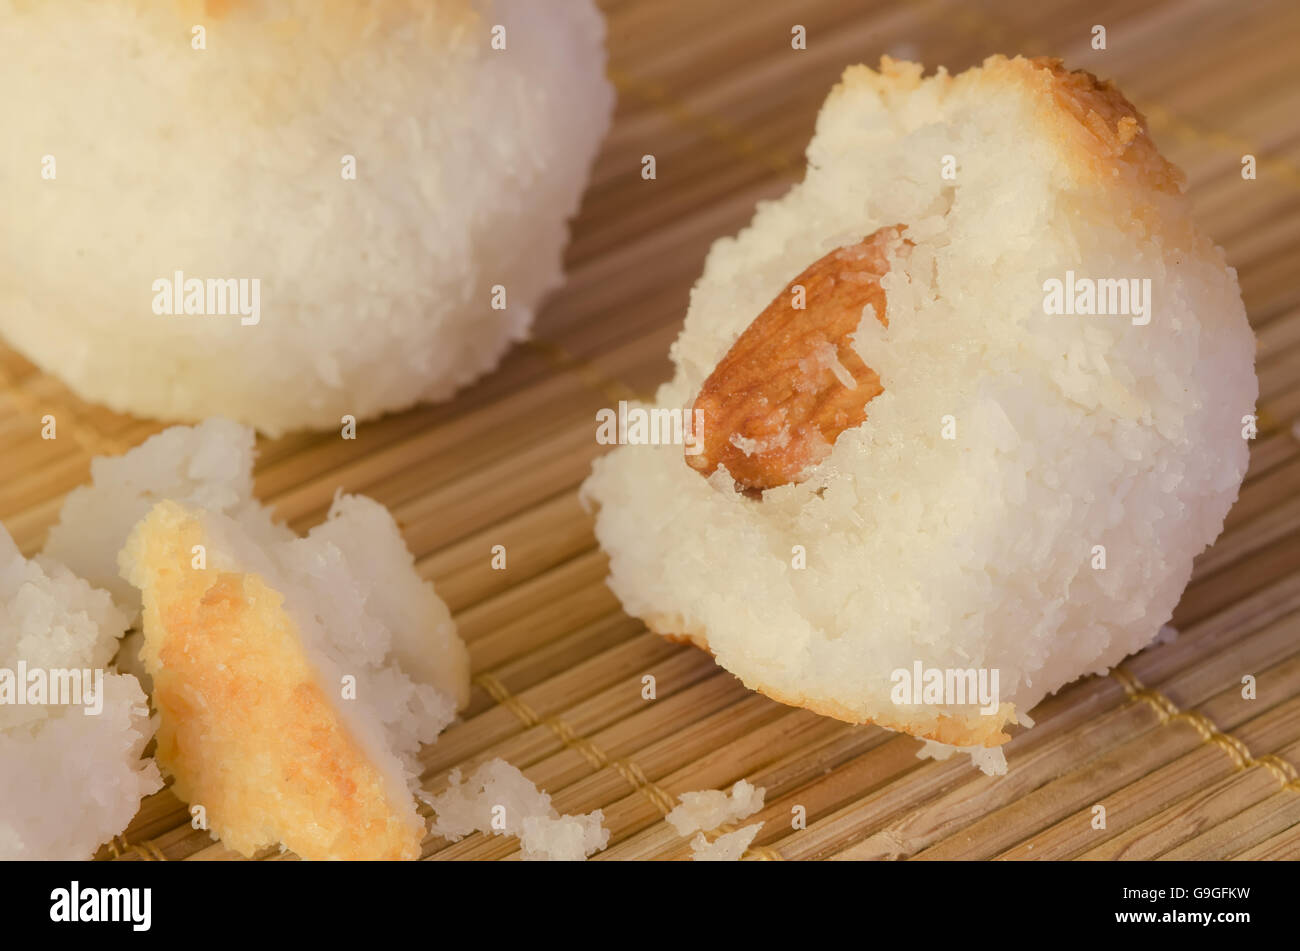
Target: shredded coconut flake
x,y
990,760
499,799
725,848
711,808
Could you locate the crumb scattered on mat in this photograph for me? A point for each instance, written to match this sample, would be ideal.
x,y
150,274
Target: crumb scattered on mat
x,y
499,799
711,808
725,848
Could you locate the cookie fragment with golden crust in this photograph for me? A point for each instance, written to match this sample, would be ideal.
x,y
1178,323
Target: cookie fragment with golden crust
x,y
289,717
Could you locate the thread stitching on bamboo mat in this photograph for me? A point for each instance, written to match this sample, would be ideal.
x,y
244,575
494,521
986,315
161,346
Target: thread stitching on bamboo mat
x,y
147,850
1236,750
594,755
597,758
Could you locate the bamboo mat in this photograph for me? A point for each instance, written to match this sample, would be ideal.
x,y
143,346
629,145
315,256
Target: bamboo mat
x,y
1185,767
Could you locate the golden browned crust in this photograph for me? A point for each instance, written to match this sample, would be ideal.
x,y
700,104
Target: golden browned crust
x,y
247,729
974,730
1104,138
674,629
1103,130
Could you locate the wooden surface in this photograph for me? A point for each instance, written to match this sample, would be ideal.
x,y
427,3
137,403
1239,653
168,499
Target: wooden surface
x,y
1183,764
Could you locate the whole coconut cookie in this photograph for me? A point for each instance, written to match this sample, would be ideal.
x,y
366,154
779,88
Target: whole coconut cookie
x,y
971,399
283,211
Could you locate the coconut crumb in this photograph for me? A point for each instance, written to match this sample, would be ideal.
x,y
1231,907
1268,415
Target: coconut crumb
x,y
562,838
71,774
710,808
778,440
725,848
1167,635
499,799
990,760
826,357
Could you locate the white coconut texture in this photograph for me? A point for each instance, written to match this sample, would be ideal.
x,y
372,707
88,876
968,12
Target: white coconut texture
x,y
498,798
729,847
209,466
353,582
709,808
69,781
1071,432
226,162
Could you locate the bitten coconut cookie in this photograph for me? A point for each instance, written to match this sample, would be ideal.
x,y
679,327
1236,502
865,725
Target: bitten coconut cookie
x,y
71,732
970,400
283,212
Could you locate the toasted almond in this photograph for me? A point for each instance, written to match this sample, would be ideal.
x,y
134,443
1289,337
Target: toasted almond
x,y
792,382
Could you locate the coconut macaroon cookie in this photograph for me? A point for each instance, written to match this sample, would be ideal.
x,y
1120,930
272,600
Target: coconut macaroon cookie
x,y
71,731
283,211
971,399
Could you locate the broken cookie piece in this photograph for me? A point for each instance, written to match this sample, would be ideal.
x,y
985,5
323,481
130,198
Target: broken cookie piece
x,y
295,679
